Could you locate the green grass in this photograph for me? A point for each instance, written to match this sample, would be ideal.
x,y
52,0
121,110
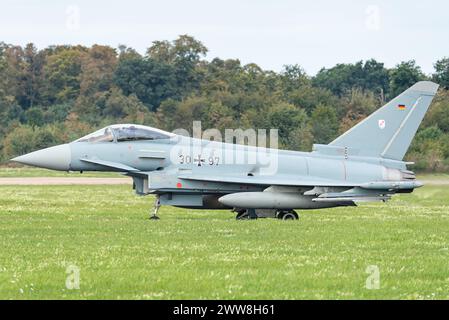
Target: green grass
x,y
28,172
194,254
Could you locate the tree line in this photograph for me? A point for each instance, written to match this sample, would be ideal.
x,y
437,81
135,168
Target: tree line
x,y
60,93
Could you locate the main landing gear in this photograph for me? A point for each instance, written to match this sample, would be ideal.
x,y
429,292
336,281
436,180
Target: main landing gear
x,y
287,215
243,214
157,205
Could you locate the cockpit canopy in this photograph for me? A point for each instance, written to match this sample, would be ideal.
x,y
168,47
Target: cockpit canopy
x,y
125,132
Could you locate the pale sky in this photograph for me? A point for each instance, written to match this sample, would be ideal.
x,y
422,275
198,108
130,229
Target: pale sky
x,y
313,33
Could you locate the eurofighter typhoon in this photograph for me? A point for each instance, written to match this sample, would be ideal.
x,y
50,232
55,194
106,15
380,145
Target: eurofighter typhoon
x,y
363,164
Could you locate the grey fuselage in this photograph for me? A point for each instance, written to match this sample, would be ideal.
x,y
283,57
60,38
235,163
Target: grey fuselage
x,y
195,173
166,162
147,156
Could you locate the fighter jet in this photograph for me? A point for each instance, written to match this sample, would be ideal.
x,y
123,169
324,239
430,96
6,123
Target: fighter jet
x,y
363,164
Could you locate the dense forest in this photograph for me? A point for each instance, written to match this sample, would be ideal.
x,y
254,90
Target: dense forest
x,y
60,93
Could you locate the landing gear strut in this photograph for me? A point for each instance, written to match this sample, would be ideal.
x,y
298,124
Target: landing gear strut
x,y
252,213
246,214
241,214
157,205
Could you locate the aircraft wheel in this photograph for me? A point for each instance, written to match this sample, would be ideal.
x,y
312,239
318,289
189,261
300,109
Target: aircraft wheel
x,y
287,215
154,218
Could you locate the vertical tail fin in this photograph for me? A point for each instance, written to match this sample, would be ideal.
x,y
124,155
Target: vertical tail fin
x,y
388,132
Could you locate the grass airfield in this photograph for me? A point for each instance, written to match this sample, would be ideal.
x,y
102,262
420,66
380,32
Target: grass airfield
x,y
200,254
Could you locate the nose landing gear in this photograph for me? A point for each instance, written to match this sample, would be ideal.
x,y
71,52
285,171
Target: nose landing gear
x,y
157,205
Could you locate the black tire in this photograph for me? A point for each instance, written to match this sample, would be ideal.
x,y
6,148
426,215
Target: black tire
x,y
287,215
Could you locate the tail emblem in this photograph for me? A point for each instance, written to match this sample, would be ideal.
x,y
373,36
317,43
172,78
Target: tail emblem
x,y
381,124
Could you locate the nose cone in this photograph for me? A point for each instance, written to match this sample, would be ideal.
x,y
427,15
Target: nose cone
x,y
55,158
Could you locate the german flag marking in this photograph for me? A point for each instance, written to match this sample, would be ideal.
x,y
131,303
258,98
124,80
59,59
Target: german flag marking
x,y
402,107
